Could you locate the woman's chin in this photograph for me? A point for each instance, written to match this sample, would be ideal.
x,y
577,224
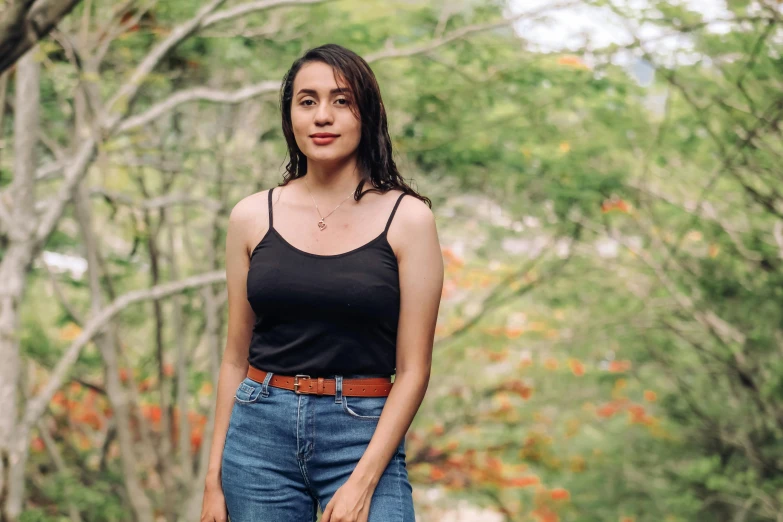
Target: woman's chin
x,y
324,156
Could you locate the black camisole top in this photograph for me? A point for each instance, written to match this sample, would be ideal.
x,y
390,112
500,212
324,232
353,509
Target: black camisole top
x,y
322,315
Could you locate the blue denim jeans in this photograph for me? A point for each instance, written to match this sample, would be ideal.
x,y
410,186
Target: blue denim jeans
x,y
287,454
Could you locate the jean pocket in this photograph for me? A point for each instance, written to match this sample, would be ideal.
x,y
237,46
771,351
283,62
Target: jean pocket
x,y
248,391
367,408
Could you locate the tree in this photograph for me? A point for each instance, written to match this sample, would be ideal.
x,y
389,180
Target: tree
x,y
24,23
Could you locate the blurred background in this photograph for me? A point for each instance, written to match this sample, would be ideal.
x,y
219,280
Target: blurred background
x,y
607,181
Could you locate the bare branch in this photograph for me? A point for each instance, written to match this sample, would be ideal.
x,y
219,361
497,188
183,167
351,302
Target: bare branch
x,y
499,295
730,335
70,310
49,171
391,52
198,93
5,219
205,17
123,99
250,7
168,200
74,171
703,209
77,168
245,93
38,405
115,27
778,233
25,22
59,464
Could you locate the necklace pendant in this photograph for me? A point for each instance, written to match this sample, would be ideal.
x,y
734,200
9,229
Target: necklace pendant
x,y
321,224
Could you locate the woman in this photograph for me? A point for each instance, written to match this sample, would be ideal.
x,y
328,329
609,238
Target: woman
x,y
324,307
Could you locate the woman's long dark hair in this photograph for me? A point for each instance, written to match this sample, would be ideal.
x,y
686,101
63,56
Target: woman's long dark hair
x,y
375,149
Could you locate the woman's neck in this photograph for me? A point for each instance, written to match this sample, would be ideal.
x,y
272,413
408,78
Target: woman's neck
x,y
330,182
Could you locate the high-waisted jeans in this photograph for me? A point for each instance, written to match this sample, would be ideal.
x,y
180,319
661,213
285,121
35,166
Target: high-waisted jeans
x,y
288,453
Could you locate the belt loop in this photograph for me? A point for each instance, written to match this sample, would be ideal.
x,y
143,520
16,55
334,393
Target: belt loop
x,y
338,389
265,384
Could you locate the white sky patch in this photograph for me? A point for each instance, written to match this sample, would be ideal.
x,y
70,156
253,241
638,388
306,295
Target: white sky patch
x,y
580,26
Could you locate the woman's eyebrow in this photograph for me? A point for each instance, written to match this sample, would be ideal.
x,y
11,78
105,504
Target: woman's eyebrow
x,y
338,90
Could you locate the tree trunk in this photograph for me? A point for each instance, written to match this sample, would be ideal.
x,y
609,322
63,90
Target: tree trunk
x,y
13,269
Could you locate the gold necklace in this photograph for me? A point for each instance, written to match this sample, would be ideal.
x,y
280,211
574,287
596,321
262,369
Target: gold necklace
x,y
322,223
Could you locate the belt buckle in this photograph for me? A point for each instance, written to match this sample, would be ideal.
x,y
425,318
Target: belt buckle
x,y
296,381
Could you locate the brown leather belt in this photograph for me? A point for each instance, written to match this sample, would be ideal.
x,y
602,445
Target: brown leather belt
x,y
304,384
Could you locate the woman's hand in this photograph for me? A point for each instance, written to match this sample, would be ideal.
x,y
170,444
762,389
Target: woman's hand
x,y
350,503
213,507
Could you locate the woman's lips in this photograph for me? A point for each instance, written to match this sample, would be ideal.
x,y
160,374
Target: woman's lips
x,y
326,140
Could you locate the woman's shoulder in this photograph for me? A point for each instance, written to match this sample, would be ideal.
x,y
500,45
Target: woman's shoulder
x,y
413,221
250,207
413,211
250,218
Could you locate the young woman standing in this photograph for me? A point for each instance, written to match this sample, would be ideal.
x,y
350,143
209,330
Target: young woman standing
x,y
334,283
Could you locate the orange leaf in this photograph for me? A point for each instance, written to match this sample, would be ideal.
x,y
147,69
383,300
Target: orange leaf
x,y
619,366
498,356
152,412
494,464
513,333
520,389
577,368
146,384
196,438
59,398
69,332
572,61
206,389
559,494
37,444
524,363
607,410
451,257
523,482
90,418
544,514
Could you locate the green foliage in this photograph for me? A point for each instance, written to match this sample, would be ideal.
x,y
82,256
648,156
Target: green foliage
x,y
645,383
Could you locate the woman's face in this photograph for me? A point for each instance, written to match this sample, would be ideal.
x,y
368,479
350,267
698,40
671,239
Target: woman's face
x,y
318,107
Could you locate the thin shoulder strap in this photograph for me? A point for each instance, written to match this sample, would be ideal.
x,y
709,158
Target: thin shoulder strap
x,y
270,207
391,216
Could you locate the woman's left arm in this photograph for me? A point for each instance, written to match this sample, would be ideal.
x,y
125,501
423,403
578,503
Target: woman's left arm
x,y
420,264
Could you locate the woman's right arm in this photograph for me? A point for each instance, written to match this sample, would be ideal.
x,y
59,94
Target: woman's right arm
x,y
233,368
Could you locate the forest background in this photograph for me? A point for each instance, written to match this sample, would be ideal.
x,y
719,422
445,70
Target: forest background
x,y
610,339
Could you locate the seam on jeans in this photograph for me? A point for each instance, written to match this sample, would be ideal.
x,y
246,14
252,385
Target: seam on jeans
x,y
399,489
303,470
316,503
312,443
298,410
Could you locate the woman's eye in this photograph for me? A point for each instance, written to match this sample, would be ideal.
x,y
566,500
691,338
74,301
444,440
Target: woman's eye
x,y
304,102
